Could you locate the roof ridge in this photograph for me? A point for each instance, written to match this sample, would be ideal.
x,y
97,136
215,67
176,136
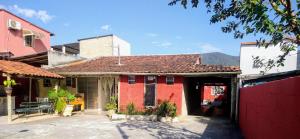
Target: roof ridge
x,y
148,55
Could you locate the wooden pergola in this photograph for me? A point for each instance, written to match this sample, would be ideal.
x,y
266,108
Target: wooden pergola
x,y
37,59
12,68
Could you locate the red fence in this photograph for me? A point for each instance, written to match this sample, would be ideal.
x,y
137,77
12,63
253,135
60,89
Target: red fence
x,y
271,110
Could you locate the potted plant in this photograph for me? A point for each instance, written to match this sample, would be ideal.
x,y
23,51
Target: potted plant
x,y
166,111
62,99
69,107
111,106
8,86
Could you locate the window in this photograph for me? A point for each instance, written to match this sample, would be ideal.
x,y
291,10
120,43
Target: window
x,y
71,82
29,40
47,82
170,80
131,79
217,90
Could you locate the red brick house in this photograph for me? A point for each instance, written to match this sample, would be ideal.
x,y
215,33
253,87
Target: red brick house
x,y
147,80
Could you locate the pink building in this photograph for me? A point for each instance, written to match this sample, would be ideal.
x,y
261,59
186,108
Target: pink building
x,y
19,37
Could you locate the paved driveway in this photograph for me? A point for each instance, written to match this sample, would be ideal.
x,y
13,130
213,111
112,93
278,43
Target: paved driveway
x,y
98,126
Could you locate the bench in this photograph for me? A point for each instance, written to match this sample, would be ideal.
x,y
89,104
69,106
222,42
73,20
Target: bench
x,y
30,107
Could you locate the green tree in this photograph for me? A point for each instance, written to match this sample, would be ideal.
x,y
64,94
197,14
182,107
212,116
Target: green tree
x,y
277,20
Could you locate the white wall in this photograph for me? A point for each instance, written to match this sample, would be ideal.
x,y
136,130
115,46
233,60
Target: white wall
x,y
104,46
246,60
125,47
95,47
57,58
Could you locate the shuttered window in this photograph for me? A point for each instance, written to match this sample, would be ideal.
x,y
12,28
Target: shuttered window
x,y
170,80
131,79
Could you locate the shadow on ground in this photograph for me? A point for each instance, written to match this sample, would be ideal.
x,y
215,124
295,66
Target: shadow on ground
x,y
156,129
196,127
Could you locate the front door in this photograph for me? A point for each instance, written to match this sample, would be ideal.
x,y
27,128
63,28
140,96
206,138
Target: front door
x,y
150,85
89,87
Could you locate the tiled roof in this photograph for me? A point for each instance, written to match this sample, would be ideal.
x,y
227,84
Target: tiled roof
x,y
12,67
188,63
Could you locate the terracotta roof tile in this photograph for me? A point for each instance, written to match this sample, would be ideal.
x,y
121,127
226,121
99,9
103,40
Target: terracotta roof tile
x,y
12,67
188,63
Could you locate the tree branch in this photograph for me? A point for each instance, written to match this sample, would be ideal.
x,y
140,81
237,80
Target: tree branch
x,y
283,2
276,7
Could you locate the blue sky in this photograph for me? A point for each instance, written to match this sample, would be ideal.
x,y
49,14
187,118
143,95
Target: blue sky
x,y
152,27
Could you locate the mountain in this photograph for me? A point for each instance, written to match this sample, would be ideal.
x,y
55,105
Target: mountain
x,y
217,58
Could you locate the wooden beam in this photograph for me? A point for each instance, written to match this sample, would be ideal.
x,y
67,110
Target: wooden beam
x,y
31,58
38,61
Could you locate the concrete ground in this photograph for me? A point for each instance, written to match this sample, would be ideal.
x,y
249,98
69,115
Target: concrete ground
x,y
91,126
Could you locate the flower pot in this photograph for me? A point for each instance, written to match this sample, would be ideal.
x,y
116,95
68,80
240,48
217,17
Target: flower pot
x,y
111,112
8,90
169,119
68,110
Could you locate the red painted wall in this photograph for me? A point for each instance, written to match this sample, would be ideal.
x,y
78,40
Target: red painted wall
x,y
12,40
172,93
135,92
131,93
271,110
208,96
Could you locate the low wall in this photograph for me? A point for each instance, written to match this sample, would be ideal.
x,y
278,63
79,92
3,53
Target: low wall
x,y
57,58
3,105
270,110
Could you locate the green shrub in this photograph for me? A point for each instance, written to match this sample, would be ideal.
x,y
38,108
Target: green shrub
x,y
112,104
131,109
60,98
167,109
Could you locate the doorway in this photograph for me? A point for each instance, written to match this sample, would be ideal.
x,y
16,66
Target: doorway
x,y
89,87
208,96
150,91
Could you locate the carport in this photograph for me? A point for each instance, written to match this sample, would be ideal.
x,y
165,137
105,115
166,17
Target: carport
x,y
212,94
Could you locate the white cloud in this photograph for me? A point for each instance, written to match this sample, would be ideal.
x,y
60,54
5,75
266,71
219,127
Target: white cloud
x,y
106,27
40,14
152,34
207,48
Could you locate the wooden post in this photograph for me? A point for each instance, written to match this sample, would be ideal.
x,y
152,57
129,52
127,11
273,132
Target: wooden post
x,y
56,85
233,98
99,96
30,86
9,107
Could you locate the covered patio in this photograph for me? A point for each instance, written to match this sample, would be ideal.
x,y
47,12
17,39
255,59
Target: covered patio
x,y
24,75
